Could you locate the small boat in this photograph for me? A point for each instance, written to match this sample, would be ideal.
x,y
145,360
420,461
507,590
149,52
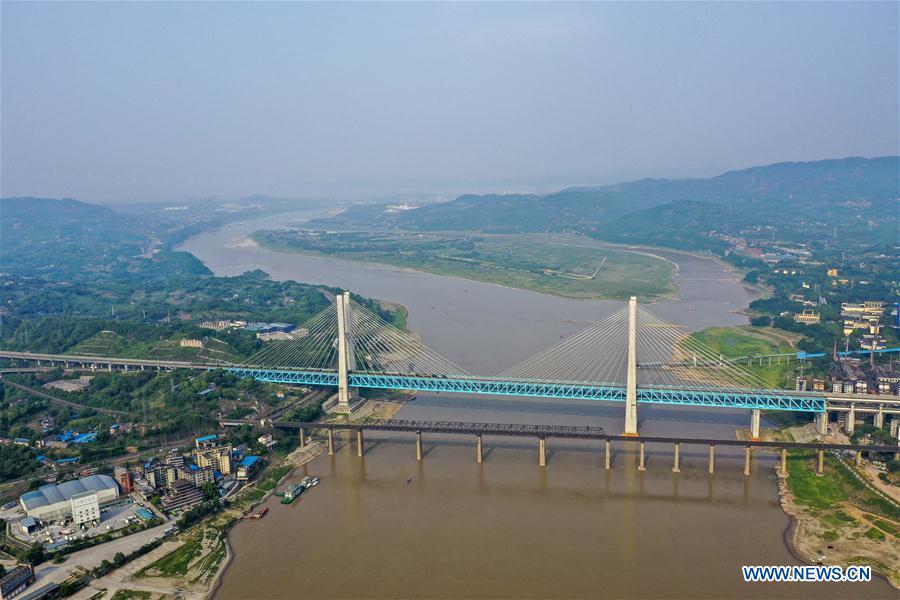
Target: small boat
x,y
258,514
292,492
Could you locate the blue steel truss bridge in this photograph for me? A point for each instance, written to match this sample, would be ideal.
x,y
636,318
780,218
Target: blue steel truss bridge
x,y
631,356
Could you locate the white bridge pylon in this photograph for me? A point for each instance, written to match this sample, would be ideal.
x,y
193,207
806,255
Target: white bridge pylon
x,y
346,358
348,337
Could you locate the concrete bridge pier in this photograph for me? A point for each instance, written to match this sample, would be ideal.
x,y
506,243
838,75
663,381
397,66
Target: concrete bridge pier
x,y
641,465
542,452
479,457
879,417
359,442
418,445
822,423
331,442
857,458
712,459
754,424
783,472
851,419
820,463
747,461
676,467
302,437
607,459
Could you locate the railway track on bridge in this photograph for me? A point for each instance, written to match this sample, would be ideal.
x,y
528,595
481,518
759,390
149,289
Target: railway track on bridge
x,y
547,431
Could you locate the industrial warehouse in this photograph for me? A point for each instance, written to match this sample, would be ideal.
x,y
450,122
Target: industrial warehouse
x,y
79,499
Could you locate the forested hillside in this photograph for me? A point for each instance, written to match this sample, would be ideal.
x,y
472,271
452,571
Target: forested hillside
x,y
857,196
72,269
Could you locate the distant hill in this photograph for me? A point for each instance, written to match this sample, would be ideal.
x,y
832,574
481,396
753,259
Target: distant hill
x,y
43,236
30,207
846,193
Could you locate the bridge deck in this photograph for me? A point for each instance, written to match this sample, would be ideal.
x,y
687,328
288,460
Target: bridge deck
x,y
754,399
747,399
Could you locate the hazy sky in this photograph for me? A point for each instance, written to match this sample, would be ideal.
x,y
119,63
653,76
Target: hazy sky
x,y
147,101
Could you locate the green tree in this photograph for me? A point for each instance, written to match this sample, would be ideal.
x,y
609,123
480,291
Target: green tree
x,y
34,555
210,491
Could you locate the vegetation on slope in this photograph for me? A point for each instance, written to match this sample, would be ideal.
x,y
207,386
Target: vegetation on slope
x,y
796,199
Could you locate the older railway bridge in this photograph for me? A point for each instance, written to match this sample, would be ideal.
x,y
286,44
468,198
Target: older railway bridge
x,y
544,432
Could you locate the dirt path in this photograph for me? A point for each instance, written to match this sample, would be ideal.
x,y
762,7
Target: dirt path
x,y
124,578
772,333
90,558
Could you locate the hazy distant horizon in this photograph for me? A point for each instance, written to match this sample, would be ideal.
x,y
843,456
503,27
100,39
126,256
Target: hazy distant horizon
x,y
165,102
423,195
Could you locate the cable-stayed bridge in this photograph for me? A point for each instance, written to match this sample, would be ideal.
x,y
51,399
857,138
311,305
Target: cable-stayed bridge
x,y
631,356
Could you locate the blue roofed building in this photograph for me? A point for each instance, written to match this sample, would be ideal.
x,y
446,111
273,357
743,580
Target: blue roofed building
x,y
207,441
28,525
249,467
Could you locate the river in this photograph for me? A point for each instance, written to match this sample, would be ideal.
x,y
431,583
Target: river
x,y
389,526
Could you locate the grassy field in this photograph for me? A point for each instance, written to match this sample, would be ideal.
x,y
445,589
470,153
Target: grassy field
x,y
176,562
734,342
109,343
563,269
841,517
827,492
131,595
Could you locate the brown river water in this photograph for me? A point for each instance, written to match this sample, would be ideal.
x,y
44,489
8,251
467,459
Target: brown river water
x,y
387,526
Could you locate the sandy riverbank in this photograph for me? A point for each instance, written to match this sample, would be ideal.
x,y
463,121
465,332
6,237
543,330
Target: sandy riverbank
x,y
814,540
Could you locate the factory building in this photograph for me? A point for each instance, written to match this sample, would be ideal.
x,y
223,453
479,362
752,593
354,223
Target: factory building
x,y
58,501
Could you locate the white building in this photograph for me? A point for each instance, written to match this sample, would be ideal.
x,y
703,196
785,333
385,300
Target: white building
x,y
293,334
85,508
53,502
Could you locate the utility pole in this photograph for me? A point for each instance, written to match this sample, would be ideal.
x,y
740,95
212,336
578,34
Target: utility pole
x,y
631,382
